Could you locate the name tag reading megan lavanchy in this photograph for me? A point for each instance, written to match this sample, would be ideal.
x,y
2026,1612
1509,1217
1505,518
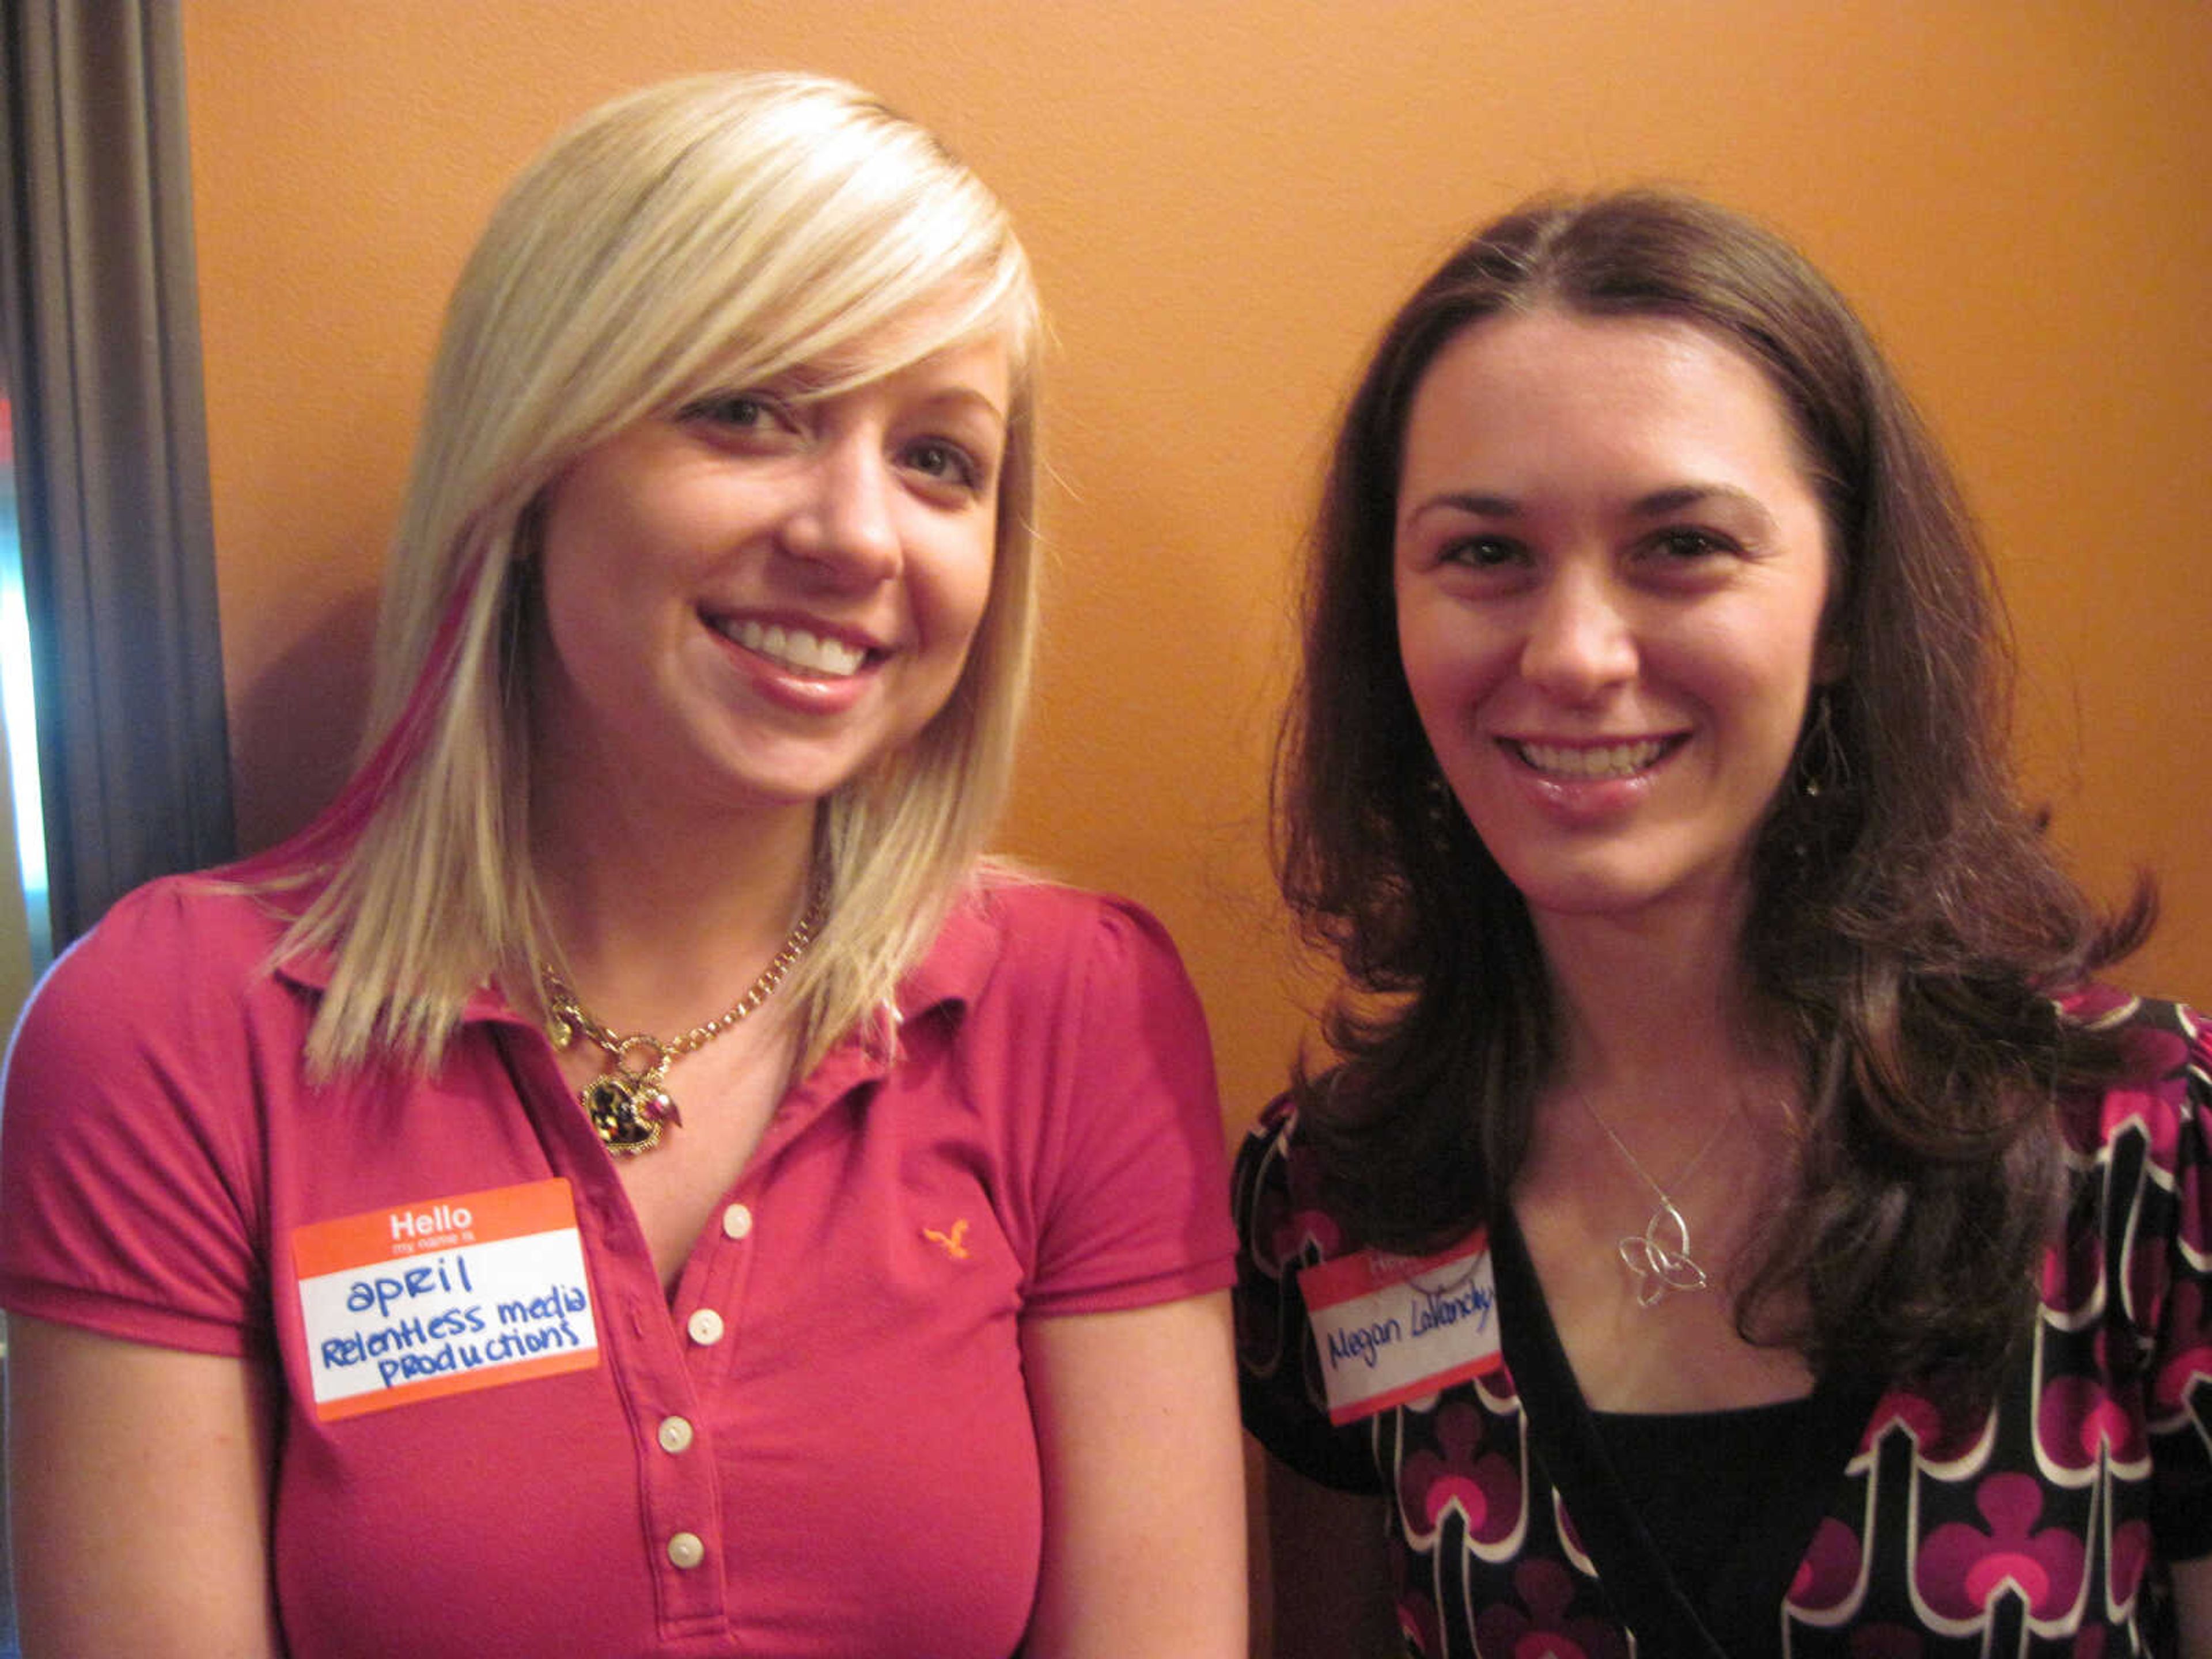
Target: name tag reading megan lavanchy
x,y
1392,1329
469,1291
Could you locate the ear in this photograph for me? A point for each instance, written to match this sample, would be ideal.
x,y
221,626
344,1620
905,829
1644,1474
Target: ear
x,y
1831,660
529,530
1832,650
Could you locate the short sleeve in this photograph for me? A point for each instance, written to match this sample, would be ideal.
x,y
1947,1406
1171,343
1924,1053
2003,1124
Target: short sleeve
x,y
1129,1209
128,1190
1281,1227
2169,1276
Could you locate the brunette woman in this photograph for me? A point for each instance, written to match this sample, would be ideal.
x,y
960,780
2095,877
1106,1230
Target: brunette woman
x,y
1738,1219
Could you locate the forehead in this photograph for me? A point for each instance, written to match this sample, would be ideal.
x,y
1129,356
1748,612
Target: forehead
x,y
941,338
1540,375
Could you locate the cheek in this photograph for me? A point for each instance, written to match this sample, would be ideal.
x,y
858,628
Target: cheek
x,y
565,606
584,538
1757,694
1451,662
952,601
596,611
1755,662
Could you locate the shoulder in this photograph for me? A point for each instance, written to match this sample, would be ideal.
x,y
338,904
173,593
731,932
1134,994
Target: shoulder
x,y
134,1185
1066,989
162,953
1272,1141
2151,1030
1037,943
200,912
1283,1219
2160,1094
1084,1049
1047,918
1285,1226
170,998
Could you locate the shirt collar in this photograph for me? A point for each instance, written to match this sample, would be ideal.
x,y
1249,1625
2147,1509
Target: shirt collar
x,y
948,977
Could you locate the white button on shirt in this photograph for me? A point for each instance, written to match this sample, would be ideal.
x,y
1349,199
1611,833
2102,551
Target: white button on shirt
x,y
675,1434
705,1325
685,1550
736,1221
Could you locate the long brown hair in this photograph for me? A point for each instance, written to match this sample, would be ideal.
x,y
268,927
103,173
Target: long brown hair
x,y
1908,920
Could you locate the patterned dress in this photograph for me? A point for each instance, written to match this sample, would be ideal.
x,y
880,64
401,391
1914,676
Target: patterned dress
x,y
1884,1528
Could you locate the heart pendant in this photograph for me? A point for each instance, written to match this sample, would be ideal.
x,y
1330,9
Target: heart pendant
x,y
629,1113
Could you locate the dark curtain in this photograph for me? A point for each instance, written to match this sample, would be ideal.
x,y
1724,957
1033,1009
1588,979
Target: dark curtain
x,y
102,348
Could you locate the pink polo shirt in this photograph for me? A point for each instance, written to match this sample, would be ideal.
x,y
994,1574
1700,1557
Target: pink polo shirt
x,y
821,1445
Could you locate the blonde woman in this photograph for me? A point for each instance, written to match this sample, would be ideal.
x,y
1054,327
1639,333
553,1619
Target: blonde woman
x,y
631,1179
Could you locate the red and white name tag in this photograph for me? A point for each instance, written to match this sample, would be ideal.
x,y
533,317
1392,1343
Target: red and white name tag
x,y
1392,1329
469,1291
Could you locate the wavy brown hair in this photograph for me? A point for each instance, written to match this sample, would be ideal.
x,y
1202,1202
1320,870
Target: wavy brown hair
x,y
1909,923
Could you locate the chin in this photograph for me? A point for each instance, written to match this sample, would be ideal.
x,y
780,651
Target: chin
x,y
1584,902
1587,892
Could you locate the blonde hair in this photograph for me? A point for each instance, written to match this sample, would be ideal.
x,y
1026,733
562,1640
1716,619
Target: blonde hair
x,y
712,230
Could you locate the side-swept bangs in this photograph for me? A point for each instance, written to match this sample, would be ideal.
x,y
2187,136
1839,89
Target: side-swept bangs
x,y
694,237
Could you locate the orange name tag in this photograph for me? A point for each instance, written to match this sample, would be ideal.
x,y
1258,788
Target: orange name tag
x,y
1391,1328
469,1291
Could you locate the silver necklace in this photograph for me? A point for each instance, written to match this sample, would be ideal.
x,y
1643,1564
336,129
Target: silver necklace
x,y
1658,1259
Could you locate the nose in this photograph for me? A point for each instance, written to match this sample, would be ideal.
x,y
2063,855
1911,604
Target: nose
x,y
1581,640
841,521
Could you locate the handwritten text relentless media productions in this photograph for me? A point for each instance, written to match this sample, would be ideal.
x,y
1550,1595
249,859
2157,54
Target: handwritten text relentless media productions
x,y
460,1337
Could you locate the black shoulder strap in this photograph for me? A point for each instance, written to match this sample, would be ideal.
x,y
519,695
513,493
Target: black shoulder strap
x,y
1570,1454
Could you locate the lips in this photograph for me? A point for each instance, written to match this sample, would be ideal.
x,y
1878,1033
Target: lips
x,y
1590,762
796,648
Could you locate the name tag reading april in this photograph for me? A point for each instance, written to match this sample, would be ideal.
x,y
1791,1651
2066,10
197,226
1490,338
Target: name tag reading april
x,y
469,1291
1392,1329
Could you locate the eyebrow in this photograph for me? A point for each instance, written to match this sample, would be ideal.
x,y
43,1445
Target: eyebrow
x,y
1661,502
817,379
968,394
1472,502
1658,504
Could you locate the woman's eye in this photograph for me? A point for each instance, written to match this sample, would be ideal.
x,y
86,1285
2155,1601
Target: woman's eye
x,y
1482,552
739,411
949,463
1683,543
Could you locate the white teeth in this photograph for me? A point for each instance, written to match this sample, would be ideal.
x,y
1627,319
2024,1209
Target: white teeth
x,y
797,648
1617,760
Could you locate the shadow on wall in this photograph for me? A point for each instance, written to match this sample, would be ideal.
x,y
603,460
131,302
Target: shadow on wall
x,y
293,732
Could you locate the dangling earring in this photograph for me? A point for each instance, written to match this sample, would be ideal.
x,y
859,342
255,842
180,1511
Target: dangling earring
x,y
1439,807
1822,767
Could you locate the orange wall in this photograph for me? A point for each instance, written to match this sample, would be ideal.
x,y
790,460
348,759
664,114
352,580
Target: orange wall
x,y
1223,200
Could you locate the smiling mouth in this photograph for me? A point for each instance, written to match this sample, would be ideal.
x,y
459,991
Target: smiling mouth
x,y
1591,762
794,647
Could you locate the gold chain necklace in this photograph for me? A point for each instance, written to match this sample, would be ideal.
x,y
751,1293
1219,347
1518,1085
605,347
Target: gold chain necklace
x,y
627,1103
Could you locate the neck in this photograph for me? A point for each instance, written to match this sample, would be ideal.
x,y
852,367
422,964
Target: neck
x,y
1643,990
661,921
1659,1032
1666,1124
